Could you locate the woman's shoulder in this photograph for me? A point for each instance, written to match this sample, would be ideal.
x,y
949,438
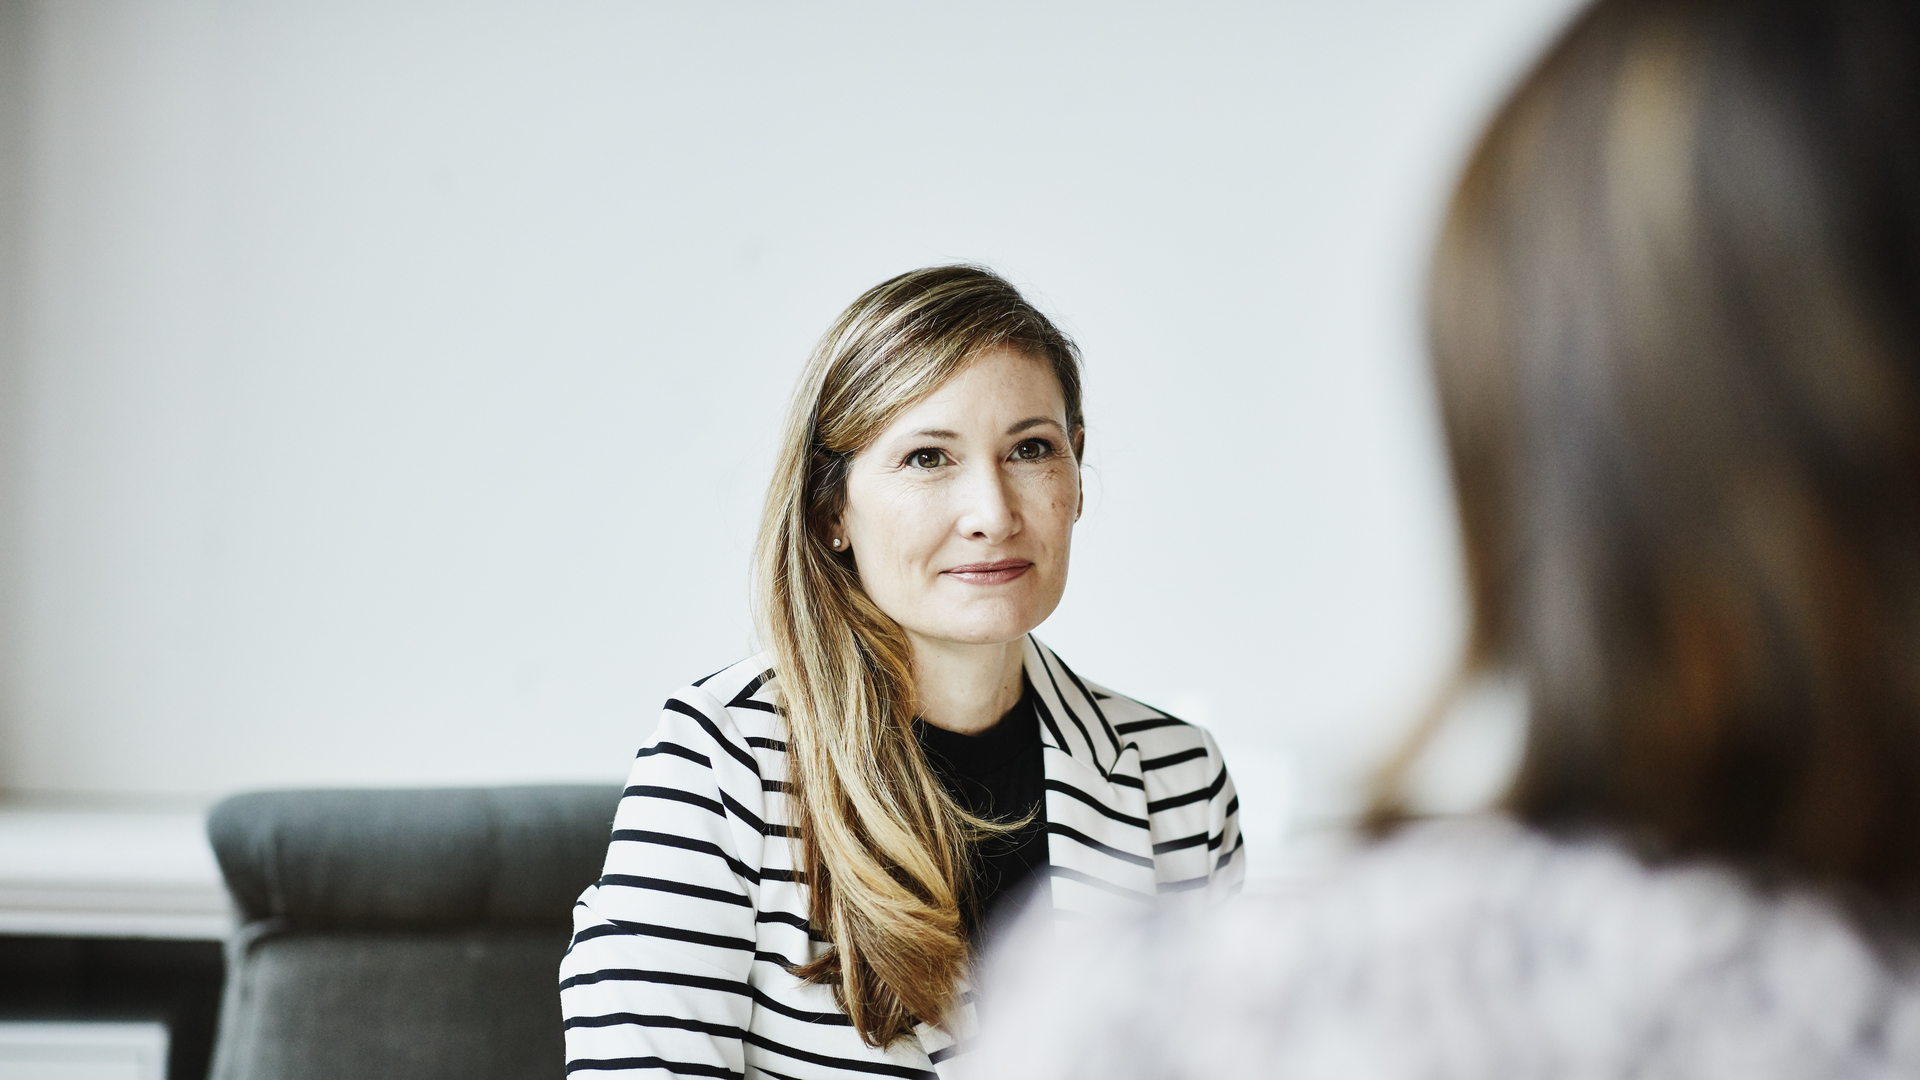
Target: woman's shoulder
x,y
1156,732
739,696
743,681
1152,728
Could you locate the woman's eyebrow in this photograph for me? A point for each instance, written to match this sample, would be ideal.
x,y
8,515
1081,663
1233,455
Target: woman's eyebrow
x,y
1032,422
943,433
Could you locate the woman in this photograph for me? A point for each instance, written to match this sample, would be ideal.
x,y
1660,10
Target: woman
x,y
812,839
1676,327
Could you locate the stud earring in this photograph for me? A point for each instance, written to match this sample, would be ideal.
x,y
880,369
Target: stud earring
x,y
836,543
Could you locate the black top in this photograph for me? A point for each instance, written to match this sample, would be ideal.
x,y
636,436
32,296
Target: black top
x,y
999,774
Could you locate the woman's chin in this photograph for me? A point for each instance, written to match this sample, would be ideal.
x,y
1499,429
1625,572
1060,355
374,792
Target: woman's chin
x,y
986,632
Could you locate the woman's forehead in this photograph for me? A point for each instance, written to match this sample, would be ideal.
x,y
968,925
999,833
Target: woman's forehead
x,y
993,392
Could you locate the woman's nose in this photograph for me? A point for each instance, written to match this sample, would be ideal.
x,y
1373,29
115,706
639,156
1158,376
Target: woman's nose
x,y
987,510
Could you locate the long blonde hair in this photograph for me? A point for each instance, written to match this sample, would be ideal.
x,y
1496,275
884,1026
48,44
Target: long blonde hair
x,y
885,850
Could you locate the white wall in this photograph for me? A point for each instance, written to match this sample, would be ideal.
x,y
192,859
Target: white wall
x,y
391,385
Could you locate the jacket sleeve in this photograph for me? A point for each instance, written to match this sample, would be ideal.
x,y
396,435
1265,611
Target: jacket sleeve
x,y
656,977
1229,867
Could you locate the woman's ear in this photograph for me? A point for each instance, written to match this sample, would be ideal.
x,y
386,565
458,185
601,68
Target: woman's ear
x,y
827,526
1079,460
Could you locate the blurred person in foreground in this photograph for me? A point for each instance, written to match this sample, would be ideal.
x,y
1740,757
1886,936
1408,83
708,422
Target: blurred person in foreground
x,y
1675,319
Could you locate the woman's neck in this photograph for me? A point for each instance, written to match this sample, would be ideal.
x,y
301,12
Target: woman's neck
x,y
966,688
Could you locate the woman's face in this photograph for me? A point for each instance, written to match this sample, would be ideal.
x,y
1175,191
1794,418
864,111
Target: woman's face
x,y
961,513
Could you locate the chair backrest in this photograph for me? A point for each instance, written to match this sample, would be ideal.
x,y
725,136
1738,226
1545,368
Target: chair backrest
x,y
412,934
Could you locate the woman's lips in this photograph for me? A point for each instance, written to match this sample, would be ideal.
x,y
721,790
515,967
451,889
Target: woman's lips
x,y
990,573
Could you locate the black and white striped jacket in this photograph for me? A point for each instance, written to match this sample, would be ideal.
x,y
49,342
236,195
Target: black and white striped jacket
x,y
681,951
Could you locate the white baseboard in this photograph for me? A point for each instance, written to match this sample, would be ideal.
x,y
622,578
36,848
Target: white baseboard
x,y
83,1050
109,873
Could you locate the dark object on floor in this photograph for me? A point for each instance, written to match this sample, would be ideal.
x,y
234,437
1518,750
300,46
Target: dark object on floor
x,y
64,978
410,934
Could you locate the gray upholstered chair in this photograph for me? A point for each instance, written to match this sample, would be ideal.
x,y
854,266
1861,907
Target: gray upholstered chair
x,y
410,934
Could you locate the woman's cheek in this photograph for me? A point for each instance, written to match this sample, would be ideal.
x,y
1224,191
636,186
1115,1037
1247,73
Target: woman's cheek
x,y
1063,495
913,509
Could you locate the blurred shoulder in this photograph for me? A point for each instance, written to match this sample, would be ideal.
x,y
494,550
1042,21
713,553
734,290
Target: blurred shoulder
x,y
1475,947
1448,887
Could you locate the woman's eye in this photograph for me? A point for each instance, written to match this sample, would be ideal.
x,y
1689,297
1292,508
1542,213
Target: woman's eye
x,y
927,459
1033,450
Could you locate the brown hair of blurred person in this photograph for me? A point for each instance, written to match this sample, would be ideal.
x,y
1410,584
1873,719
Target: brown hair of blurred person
x,y
1675,319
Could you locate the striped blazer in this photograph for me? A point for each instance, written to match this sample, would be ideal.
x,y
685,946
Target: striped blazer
x,y
682,952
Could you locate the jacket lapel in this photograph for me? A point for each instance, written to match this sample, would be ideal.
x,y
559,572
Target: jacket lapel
x,y
1099,844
